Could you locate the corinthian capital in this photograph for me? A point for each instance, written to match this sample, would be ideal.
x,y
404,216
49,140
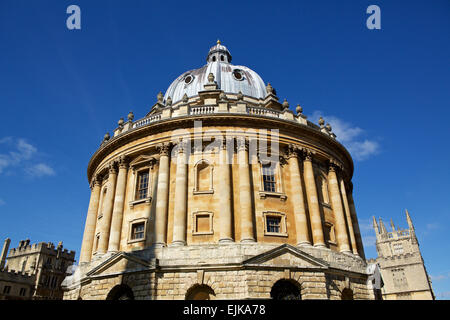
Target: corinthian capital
x,y
123,162
164,148
96,181
182,146
112,167
334,165
308,154
292,151
242,144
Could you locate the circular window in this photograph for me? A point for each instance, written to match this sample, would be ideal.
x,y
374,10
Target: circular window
x,y
238,74
188,79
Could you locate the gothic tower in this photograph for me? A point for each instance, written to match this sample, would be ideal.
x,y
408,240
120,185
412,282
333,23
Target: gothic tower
x,y
401,264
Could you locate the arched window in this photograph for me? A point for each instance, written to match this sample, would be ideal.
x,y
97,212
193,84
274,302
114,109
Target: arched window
x,y
286,290
222,58
203,176
200,292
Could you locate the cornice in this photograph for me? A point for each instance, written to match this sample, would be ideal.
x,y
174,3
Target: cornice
x,y
314,138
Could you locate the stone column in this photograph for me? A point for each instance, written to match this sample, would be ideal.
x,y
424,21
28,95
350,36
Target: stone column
x,y
336,202
301,222
119,199
180,205
313,201
355,222
162,195
91,222
348,216
224,189
245,196
108,208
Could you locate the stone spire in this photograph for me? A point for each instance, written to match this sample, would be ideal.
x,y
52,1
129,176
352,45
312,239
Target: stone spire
x,y
375,225
4,253
382,227
408,219
392,225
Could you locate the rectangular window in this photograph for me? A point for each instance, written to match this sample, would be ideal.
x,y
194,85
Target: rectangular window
x,y
142,186
22,292
138,230
273,224
6,289
269,177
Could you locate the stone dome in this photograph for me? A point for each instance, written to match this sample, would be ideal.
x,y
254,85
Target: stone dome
x,y
229,78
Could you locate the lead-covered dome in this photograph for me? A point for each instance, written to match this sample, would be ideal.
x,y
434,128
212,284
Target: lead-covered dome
x,y
229,78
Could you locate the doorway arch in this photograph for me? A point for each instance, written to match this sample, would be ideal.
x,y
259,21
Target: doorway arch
x,y
200,292
286,290
120,292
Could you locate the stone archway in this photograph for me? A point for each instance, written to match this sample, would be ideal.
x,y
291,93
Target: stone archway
x,y
120,292
200,292
285,289
347,294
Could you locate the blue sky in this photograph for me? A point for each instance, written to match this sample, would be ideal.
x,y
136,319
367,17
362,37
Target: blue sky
x,y
386,93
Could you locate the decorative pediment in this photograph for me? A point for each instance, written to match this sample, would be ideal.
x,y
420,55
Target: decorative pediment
x,y
142,160
286,256
119,263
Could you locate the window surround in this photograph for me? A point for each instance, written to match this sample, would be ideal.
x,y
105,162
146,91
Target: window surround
x,y
194,224
96,242
141,164
196,190
130,230
332,232
323,191
279,187
102,201
283,223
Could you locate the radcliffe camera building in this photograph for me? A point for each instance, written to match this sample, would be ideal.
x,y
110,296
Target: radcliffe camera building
x,y
221,192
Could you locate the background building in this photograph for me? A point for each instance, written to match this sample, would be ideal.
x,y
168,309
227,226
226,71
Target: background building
x,y
221,191
401,264
33,271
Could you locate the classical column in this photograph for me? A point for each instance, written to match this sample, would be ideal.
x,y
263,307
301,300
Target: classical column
x,y
91,221
313,200
301,223
162,195
119,199
108,208
348,216
245,192
336,203
179,221
355,222
224,189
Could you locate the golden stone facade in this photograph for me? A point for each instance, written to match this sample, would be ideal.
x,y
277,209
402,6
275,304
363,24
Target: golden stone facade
x,y
222,194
